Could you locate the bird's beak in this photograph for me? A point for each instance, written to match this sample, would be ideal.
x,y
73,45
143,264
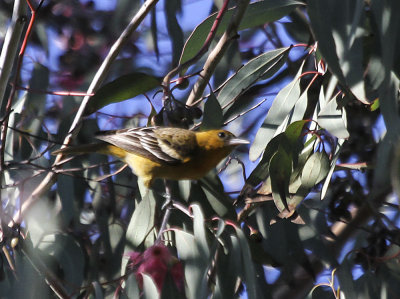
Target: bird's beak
x,y
238,141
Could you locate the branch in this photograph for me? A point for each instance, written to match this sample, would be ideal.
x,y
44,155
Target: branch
x,y
202,51
217,53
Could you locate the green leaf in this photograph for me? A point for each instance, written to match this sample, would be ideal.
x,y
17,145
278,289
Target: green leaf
x,y
174,30
149,287
277,114
315,169
280,169
215,195
375,105
338,28
68,254
195,268
131,287
333,119
122,88
345,277
153,30
142,221
301,106
229,268
259,68
14,118
387,30
27,264
200,232
290,139
247,264
36,101
395,171
98,291
66,187
117,237
34,222
261,172
257,14
170,290
332,168
212,116
293,133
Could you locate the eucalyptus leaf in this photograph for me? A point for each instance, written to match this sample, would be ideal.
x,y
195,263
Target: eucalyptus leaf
x,y
290,140
98,291
69,255
332,168
195,268
122,88
142,221
280,169
340,39
131,287
200,232
217,198
248,267
212,115
333,119
260,67
315,169
279,111
257,14
149,287
229,268
174,29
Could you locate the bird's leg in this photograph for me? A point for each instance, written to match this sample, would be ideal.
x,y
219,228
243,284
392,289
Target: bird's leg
x,y
167,206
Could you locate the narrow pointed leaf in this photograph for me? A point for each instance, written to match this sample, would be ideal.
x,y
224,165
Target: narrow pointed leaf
x,y
260,67
212,116
248,267
199,231
315,169
142,221
279,111
333,119
280,169
121,89
149,287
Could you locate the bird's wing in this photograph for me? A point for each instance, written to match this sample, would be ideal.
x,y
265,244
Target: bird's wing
x,y
144,142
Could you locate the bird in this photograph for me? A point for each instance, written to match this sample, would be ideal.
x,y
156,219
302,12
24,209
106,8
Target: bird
x,y
162,152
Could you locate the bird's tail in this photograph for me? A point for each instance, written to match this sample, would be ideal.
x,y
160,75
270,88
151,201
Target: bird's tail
x,y
102,148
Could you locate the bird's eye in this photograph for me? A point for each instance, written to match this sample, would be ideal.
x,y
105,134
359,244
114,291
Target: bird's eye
x,y
221,135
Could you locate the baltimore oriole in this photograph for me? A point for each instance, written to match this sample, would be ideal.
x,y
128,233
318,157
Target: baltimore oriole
x,y
158,152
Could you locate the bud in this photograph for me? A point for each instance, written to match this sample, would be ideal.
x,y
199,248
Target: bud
x,y
156,262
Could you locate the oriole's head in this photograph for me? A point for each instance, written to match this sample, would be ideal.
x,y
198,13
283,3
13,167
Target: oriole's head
x,y
218,139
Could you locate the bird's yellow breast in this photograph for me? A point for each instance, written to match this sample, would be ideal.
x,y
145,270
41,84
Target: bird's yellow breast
x,y
194,168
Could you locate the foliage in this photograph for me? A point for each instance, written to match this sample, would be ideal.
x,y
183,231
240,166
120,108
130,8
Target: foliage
x,y
314,85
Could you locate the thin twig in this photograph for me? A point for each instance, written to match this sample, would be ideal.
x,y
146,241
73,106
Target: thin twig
x,y
167,207
56,93
244,112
